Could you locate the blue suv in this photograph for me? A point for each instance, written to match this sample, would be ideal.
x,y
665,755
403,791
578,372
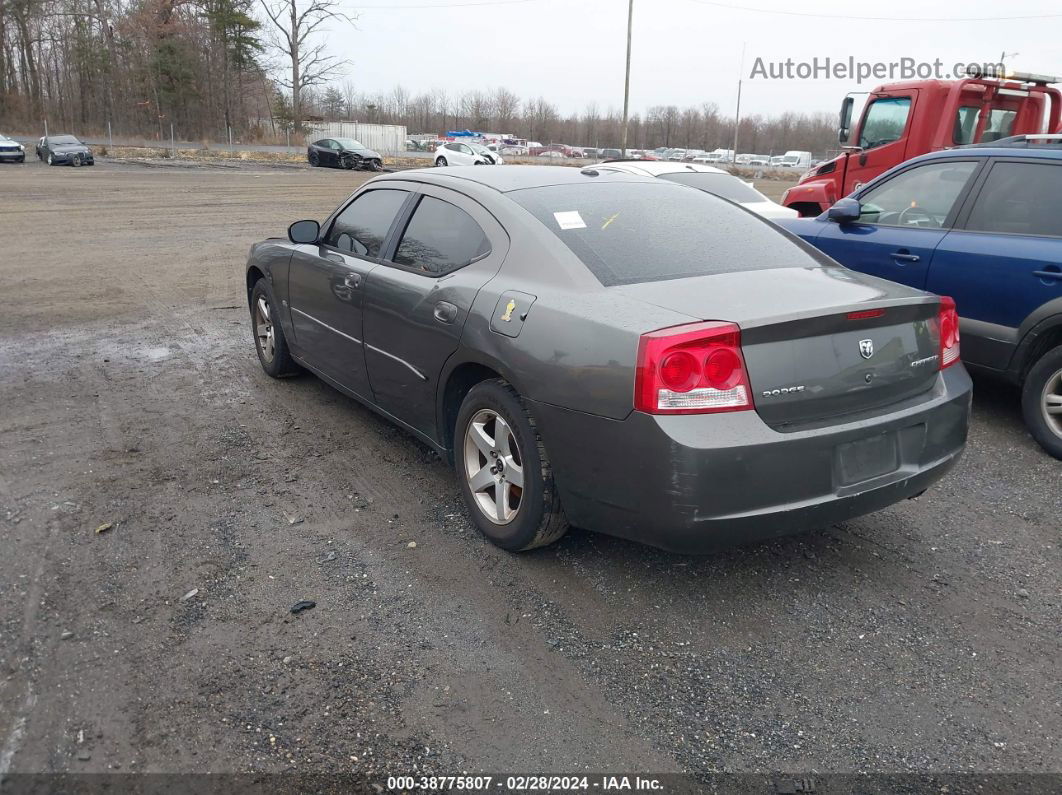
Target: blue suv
x,y
982,224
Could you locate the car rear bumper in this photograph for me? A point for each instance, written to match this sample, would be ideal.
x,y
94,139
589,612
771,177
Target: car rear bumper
x,y
692,483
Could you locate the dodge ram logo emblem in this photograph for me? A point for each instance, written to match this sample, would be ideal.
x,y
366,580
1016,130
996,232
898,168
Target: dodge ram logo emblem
x,y
866,348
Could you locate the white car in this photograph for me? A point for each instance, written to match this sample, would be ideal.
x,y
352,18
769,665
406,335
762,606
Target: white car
x,y
707,178
553,154
459,153
11,150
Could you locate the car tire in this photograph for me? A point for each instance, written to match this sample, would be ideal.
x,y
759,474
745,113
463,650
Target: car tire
x,y
50,161
440,162
480,442
314,159
277,362
373,164
1042,390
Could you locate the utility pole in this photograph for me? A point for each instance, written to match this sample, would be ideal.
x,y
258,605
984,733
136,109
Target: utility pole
x,y
737,111
627,77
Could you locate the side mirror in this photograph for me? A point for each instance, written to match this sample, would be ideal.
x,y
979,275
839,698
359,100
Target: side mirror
x,y
844,122
845,210
304,232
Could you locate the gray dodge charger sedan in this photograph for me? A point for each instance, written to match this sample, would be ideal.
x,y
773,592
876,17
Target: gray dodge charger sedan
x,y
617,352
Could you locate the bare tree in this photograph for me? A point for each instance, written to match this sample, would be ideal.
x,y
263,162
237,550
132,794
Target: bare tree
x,y
310,64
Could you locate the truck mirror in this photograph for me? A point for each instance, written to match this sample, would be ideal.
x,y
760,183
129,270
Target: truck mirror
x,y
845,210
844,123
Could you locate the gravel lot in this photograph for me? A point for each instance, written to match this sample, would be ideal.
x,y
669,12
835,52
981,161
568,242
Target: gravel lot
x,y
922,638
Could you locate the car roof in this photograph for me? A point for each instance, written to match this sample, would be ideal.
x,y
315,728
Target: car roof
x,y
1015,146
509,178
657,167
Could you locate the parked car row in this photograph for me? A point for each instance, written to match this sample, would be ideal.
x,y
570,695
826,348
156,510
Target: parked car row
x,y
617,351
707,178
55,150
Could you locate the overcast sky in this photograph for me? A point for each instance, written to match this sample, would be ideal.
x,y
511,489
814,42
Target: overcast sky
x,y
685,51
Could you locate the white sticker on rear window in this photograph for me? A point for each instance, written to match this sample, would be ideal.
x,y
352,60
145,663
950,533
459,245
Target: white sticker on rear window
x,y
570,220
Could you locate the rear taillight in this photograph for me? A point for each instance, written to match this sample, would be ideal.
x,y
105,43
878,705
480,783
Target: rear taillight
x,y
694,369
948,320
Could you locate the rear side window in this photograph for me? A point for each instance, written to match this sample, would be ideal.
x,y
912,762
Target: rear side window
x,y
966,119
1000,124
440,238
652,231
1020,198
362,226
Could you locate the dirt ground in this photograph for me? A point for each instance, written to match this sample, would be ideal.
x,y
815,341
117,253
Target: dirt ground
x,y
921,638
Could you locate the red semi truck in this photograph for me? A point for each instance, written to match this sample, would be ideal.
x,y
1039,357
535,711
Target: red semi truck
x,y
904,120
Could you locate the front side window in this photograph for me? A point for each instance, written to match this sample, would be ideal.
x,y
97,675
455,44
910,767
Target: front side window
x,y
363,225
1021,199
653,231
922,196
885,121
440,238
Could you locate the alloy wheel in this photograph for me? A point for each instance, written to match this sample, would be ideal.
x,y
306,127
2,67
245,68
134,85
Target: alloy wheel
x,y
493,466
1051,403
263,329
441,162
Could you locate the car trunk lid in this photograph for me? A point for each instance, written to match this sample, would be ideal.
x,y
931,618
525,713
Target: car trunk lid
x,y
818,343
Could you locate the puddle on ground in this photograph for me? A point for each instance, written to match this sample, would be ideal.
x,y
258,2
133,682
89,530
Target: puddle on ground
x,y
157,354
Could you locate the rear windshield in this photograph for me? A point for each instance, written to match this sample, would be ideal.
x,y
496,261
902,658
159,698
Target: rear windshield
x,y
720,184
627,233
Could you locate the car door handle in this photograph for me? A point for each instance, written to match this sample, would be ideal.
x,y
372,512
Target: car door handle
x,y
352,280
905,256
445,312
1050,272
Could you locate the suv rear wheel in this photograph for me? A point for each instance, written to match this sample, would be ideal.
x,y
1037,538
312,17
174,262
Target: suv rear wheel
x,y
1041,401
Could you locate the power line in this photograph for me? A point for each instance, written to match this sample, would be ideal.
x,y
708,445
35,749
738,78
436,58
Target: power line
x,y
870,19
471,3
